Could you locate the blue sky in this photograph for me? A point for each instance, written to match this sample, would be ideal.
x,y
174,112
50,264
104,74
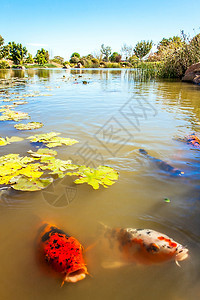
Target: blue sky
x,y
64,26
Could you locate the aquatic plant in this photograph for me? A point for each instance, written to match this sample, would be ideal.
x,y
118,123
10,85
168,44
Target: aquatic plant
x,y
103,175
29,126
10,115
7,140
51,139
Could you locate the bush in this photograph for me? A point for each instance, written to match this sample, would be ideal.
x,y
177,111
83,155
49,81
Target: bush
x,y
4,64
177,60
74,60
75,54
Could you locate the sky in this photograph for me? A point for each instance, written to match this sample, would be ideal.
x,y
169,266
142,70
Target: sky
x,y
63,27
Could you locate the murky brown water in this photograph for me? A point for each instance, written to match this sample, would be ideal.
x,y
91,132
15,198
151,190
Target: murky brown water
x,y
112,116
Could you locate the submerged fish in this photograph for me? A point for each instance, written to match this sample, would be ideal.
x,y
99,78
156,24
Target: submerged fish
x,y
194,140
143,246
63,253
162,164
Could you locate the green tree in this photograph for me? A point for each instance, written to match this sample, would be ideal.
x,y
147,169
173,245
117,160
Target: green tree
x,y
142,48
106,51
58,59
1,40
29,59
75,54
17,52
115,57
172,42
42,57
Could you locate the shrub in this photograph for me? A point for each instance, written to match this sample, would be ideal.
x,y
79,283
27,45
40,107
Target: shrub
x,y
177,59
4,64
75,54
74,60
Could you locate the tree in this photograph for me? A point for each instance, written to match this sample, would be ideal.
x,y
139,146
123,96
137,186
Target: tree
x,y
172,42
17,52
3,49
42,57
142,48
75,54
106,51
127,50
115,57
58,59
29,59
1,40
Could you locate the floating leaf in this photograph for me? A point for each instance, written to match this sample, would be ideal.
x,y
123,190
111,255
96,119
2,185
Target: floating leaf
x,y
42,152
3,142
7,140
57,166
51,139
167,200
29,126
14,139
102,175
23,183
13,115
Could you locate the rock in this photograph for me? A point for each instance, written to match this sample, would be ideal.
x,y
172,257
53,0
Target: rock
x,y
67,67
192,74
79,65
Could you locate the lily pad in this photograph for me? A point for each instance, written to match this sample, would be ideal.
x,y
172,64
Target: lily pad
x,y
51,139
13,116
57,166
26,184
103,175
42,153
29,126
13,139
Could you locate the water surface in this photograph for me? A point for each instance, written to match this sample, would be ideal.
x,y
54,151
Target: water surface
x,y
112,117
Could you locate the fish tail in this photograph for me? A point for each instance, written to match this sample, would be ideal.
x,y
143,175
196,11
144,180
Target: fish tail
x,y
143,151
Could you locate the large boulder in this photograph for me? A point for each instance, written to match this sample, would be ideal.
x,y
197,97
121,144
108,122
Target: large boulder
x,y
192,74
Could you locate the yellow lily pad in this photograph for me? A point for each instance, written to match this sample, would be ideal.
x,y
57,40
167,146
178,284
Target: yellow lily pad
x,y
51,139
29,126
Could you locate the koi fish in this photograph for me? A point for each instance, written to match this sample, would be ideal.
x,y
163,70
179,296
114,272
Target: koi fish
x,y
193,140
143,246
63,253
162,164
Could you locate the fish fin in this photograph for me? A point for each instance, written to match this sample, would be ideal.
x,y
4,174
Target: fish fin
x,y
62,283
142,151
177,264
91,246
113,264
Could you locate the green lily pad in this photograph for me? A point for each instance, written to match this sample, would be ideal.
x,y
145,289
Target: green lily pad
x,y
57,166
29,126
22,183
103,175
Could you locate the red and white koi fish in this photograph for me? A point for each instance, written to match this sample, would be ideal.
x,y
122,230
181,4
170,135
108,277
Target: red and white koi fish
x,y
144,246
63,253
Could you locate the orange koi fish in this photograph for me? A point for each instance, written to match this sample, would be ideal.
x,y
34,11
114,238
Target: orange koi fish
x,y
144,246
194,140
63,253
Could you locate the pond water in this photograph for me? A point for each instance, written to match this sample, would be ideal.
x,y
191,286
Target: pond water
x,y
112,117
